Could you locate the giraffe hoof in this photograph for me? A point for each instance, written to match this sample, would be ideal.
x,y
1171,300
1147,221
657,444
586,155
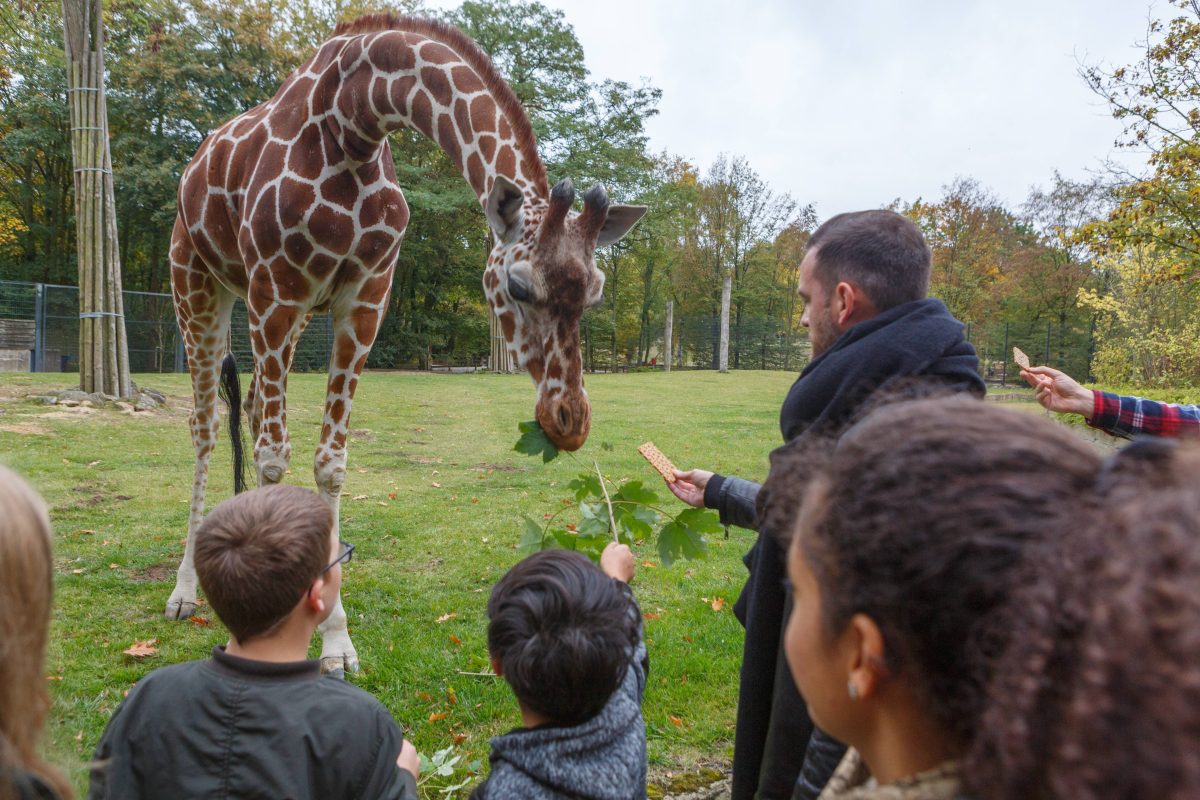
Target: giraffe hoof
x,y
338,666
180,609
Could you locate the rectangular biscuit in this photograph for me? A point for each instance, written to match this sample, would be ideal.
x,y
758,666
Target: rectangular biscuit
x,y
1020,357
658,461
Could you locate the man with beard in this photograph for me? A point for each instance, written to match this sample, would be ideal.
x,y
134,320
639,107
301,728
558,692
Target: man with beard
x,y
864,280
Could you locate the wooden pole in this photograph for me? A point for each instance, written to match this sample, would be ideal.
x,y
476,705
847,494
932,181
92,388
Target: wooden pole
x,y
103,347
667,335
726,290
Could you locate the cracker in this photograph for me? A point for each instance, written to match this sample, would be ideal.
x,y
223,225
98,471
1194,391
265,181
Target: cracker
x,y
658,461
1020,357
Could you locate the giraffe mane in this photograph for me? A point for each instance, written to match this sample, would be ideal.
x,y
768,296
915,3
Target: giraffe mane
x,y
465,46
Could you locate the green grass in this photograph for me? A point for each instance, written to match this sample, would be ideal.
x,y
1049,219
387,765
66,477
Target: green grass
x,y
119,486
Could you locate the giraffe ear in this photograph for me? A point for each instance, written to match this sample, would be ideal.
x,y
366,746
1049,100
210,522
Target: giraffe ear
x,y
503,209
619,222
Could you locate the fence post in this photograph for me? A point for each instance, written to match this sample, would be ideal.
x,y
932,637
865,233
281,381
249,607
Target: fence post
x,y
667,336
39,328
1048,326
1004,359
180,355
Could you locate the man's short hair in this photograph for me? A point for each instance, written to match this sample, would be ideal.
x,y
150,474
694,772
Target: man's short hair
x,y
258,552
881,252
564,634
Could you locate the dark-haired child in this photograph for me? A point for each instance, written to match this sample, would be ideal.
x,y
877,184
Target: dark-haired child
x,y
567,637
257,720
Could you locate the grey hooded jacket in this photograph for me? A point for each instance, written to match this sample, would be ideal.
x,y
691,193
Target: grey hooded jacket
x,y
601,759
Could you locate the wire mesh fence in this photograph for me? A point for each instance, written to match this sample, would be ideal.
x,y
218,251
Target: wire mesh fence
x,y
39,331
42,321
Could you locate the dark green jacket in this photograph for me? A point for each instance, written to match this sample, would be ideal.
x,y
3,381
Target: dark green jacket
x,y
230,727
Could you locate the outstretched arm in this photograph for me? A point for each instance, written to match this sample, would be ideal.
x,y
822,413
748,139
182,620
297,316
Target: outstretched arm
x,y
1115,414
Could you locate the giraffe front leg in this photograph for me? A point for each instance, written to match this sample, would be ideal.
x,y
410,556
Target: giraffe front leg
x,y
354,334
273,349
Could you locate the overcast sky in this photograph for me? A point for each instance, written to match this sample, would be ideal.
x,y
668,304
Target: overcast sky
x,y
849,105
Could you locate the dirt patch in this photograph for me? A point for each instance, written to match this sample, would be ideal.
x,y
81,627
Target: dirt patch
x,y
361,435
498,468
72,413
705,783
424,459
158,573
25,428
93,495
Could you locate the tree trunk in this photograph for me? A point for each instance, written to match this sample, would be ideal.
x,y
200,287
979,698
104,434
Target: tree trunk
x,y
103,351
667,335
500,360
726,288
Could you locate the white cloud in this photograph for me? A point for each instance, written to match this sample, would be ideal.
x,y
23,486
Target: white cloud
x,y
849,105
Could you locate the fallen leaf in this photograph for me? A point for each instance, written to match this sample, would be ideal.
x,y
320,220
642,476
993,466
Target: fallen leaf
x,y
435,484
362,469
54,677
687,639
675,720
444,617
435,472
114,566
382,503
459,738
718,603
85,530
438,716
360,497
475,500
78,736
683,678
425,696
199,621
419,430
93,463
457,642
649,564
141,649
451,697
391,495
651,615
76,572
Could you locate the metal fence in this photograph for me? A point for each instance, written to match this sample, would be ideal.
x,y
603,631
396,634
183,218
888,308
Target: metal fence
x,y
43,320
39,331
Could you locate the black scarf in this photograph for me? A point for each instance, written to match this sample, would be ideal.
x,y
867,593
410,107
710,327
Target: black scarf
x,y
921,338
909,349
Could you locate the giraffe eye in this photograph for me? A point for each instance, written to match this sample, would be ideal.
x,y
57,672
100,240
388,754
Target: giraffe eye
x,y
518,290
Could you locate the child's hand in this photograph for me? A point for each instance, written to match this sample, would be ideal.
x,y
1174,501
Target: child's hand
x,y
408,759
617,562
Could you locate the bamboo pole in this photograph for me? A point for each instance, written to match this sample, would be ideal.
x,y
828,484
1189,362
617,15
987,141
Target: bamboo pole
x,y
103,347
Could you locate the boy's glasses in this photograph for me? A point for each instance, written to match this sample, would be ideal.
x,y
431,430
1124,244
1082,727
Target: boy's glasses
x,y
345,555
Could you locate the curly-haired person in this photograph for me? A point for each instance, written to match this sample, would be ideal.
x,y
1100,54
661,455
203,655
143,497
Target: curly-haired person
x,y
911,535
1099,693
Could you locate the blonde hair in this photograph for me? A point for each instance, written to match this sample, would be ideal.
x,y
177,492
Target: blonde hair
x,y
26,591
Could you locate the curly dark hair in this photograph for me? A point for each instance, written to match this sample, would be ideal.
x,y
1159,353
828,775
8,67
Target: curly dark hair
x,y
1098,694
921,517
564,633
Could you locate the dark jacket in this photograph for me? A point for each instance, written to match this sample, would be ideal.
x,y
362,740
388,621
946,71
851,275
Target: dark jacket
x,y
230,727
601,759
917,346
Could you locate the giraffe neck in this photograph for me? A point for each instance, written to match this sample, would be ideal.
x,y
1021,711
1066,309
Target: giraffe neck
x,y
394,79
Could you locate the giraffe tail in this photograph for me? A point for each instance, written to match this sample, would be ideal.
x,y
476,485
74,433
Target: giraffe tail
x,y
231,393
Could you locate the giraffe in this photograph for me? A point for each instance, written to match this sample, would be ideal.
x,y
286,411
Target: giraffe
x,y
294,207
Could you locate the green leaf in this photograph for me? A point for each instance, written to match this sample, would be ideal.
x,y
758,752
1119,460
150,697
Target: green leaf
x,y
606,446
534,441
684,535
531,538
700,520
638,521
586,485
566,540
635,492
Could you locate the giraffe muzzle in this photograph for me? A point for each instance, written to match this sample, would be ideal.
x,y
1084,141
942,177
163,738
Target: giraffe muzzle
x,y
566,419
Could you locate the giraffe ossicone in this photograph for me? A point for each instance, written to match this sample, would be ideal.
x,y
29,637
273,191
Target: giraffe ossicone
x,y
294,207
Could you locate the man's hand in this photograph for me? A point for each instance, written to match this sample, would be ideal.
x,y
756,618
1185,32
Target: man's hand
x,y
689,486
1057,391
408,759
617,562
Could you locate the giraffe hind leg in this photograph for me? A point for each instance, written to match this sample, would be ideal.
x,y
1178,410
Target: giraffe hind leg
x,y
203,308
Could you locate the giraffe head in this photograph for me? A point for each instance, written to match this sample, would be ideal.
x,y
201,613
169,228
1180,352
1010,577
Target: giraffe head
x,y
541,277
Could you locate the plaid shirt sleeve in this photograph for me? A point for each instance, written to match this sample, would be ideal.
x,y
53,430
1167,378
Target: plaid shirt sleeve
x,y
1136,416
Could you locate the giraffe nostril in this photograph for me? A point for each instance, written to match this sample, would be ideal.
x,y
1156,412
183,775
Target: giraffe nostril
x,y
564,417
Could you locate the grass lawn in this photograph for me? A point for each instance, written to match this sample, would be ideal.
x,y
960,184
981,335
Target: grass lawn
x,y
433,501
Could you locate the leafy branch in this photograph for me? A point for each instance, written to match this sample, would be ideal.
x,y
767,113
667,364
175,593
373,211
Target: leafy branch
x,y
626,513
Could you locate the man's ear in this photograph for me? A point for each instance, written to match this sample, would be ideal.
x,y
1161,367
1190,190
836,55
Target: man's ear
x,y
868,657
852,305
503,209
619,222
